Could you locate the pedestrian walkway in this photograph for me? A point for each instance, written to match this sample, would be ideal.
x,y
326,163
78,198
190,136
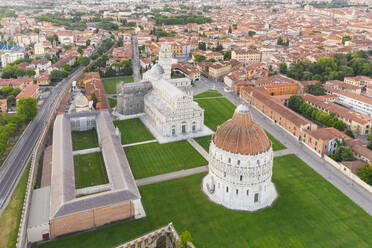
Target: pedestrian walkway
x,y
171,175
140,143
86,151
199,148
282,152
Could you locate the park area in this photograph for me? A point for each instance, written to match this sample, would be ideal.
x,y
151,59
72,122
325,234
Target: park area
x,y
309,212
84,139
154,159
217,111
110,83
133,131
90,170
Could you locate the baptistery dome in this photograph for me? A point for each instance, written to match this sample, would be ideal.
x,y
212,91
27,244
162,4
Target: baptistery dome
x,y
240,165
241,135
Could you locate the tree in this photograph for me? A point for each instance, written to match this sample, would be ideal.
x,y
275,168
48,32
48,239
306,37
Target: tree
x,y
199,58
83,61
94,99
227,55
295,102
251,33
365,173
316,89
27,108
283,68
349,133
202,46
344,153
185,237
11,100
56,75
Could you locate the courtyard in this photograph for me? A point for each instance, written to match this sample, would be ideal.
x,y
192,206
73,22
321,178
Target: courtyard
x,y
310,212
133,131
90,170
154,159
84,139
110,83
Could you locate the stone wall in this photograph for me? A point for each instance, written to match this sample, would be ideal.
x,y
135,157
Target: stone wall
x,y
91,218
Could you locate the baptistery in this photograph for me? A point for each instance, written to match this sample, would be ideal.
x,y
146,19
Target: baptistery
x,y
240,164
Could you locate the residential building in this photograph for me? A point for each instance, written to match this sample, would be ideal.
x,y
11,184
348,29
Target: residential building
x,y
247,56
10,57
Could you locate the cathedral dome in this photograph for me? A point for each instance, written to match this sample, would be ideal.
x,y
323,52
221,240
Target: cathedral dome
x,y
241,134
157,70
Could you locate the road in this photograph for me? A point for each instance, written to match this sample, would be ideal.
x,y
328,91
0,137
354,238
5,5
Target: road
x,y
16,162
355,192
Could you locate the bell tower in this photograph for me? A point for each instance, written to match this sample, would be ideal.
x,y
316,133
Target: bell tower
x,y
165,59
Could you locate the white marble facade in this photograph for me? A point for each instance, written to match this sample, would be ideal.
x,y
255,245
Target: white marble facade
x,y
170,111
240,182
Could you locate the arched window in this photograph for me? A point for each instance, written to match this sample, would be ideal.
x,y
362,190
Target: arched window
x,y
241,178
258,162
224,174
227,189
247,192
229,160
236,191
238,162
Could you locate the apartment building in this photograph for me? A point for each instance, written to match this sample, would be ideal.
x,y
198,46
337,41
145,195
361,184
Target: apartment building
x,y
360,81
247,56
358,103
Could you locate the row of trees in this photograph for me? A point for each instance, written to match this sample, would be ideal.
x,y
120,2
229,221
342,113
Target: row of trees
x,y
330,68
122,68
181,19
14,71
9,124
298,104
365,173
105,46
59,21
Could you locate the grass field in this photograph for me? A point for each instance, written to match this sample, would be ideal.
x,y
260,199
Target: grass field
x,y
309,212
84,139
110,83
11,217
208,93
112,102
204,141
154,159
90,170
219,110
132,131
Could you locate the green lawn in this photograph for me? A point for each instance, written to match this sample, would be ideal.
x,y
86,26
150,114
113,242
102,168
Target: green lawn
x,y
310,212
219,110
90,170
208,93
11,217
112,102
110,83
276,144
84,139
204,141
132,131
154,159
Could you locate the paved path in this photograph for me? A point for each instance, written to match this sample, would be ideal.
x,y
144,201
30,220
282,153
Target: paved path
x,y
141,143
86,151
199,148
171,175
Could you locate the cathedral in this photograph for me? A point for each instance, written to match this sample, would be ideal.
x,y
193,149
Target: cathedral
x,y
165,105
240,165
